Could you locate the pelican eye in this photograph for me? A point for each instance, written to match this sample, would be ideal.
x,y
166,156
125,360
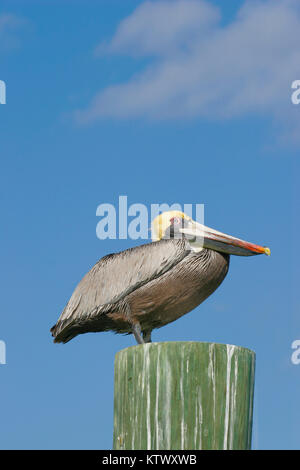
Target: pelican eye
x,y
176,221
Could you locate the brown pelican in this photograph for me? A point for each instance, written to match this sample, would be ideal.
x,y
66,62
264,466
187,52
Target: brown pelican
x,y
151,285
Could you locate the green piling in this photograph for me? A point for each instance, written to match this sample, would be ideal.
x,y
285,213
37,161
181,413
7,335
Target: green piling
x,y
183,395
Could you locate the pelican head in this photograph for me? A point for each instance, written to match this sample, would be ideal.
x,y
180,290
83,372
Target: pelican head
x,y
176,224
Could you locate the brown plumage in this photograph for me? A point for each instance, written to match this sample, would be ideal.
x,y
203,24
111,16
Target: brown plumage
x,y
149,286
152,284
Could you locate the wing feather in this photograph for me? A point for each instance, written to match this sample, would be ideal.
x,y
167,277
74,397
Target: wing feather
x,y
113,277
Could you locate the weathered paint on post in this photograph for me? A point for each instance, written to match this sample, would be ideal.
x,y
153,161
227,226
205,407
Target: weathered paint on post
x,y
183,395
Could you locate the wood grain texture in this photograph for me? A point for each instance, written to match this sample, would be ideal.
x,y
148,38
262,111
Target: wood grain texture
x,y
183,395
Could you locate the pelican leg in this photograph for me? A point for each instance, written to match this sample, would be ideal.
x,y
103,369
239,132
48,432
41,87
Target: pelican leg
x,y
136,330
147,336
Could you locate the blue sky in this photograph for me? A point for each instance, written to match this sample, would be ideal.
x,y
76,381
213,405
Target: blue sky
x,y
99,106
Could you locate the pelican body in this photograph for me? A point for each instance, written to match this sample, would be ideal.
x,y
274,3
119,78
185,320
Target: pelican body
x,y
149,286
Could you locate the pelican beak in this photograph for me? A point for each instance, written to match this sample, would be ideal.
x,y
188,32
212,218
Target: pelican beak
x,y
218,241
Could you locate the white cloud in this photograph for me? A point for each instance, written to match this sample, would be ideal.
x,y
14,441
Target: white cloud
x,y
201,67
162,28
10,25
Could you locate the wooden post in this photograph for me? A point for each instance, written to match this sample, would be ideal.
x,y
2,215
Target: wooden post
x,y
183,395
